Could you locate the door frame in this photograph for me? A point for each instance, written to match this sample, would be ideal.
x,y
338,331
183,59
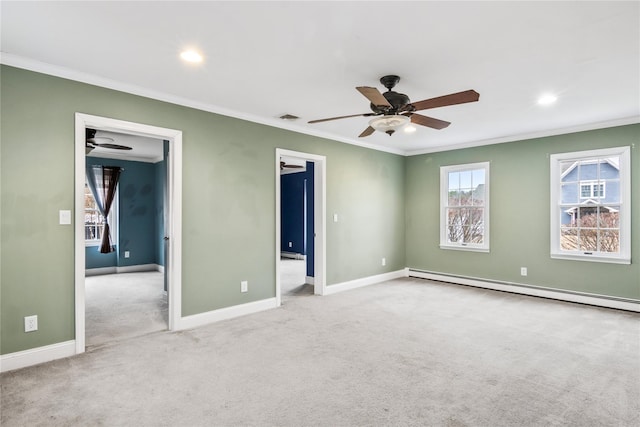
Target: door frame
x,y
174,210
319,219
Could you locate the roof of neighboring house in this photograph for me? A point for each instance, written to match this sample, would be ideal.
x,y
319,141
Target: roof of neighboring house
x,y
612,161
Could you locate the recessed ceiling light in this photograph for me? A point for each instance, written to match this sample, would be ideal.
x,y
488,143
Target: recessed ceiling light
x,y
191,56
547,99
409,129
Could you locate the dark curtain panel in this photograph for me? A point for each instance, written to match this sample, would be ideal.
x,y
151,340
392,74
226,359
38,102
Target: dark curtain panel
x,y
103,181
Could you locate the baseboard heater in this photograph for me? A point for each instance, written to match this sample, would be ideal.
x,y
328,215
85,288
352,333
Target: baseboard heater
x,y
291,255
531,290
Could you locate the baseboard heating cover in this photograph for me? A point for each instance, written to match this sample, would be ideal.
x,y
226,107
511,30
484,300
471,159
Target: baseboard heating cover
x,y
291,255
537,291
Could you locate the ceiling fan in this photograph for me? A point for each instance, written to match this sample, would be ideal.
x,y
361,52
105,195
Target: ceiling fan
x,y
91,142
284,165
396,110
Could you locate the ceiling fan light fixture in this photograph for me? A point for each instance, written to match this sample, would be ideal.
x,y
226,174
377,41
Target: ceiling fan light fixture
x,y
389,124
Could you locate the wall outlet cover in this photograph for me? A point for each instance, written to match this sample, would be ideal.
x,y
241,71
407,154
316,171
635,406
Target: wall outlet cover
x,y
31,323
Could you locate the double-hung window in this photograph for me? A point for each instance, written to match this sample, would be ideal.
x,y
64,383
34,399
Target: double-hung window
x,y
464,207
591,206
94,221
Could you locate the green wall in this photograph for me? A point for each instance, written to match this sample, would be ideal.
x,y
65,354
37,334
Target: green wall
x,y
228,203
520,204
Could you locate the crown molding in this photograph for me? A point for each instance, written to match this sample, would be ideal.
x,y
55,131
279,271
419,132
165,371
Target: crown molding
x,y
530,135
67,73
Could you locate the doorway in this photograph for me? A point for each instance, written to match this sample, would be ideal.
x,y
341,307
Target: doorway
x,y
171,235
300,254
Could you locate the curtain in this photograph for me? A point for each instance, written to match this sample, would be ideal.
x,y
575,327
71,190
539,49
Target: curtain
x,y
102,181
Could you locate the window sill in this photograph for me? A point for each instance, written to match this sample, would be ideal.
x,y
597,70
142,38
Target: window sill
x,y
465,248
591,258
90,243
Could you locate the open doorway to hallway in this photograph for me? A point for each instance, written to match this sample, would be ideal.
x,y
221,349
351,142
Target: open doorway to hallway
x,y
300,224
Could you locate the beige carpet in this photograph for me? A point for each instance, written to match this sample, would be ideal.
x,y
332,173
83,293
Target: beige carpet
x,y
123,306
292,278
403,353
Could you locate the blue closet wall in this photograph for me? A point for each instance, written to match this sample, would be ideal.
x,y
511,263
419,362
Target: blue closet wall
x,y
296,204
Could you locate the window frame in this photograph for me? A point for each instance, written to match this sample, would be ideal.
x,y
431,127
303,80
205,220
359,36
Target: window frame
x,y
444,200
113,221
624,154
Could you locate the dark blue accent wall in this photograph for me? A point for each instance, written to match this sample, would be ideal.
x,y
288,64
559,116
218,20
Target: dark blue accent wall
x,y
296,211
137,216
310,232
292,212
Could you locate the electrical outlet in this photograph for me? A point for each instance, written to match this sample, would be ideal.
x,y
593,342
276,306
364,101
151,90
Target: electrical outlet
x,y
335,217
31,323
384,261
126,254
244,286
290,244
523,271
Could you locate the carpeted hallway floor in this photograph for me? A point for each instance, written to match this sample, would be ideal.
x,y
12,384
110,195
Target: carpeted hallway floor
x,y
402,353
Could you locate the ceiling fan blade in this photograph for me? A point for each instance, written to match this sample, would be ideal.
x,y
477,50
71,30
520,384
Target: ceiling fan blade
x,y
430,122
368,131
374,95
113,146
341,117
451,99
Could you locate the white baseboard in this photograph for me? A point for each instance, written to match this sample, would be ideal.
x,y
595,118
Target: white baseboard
x,y
536,291
365,281
309,280
35,356
201,319
124,269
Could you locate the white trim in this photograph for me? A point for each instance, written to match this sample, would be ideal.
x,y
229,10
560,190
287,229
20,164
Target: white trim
x,y
530,135
35,356
536,291
54,70
309,280
319,218
365,281
444,204
174,183
624,256
124,269
206,318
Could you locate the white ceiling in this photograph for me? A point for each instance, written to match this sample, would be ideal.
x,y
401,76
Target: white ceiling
x,y
265,59
143,149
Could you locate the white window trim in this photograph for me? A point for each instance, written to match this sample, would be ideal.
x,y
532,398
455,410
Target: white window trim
x,y
624,257
113,223
444,197
592,184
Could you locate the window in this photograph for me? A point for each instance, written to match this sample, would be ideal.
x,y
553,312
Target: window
x,y
590,190
94,221
590,205
464,207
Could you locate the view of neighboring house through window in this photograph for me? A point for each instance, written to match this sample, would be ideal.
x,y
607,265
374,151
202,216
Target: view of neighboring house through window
x,y
464,204
590,204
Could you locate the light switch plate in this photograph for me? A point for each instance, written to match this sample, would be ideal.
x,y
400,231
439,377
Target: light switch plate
x,y
65,217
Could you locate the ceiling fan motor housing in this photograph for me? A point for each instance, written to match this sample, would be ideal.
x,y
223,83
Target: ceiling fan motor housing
x,y
397,100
